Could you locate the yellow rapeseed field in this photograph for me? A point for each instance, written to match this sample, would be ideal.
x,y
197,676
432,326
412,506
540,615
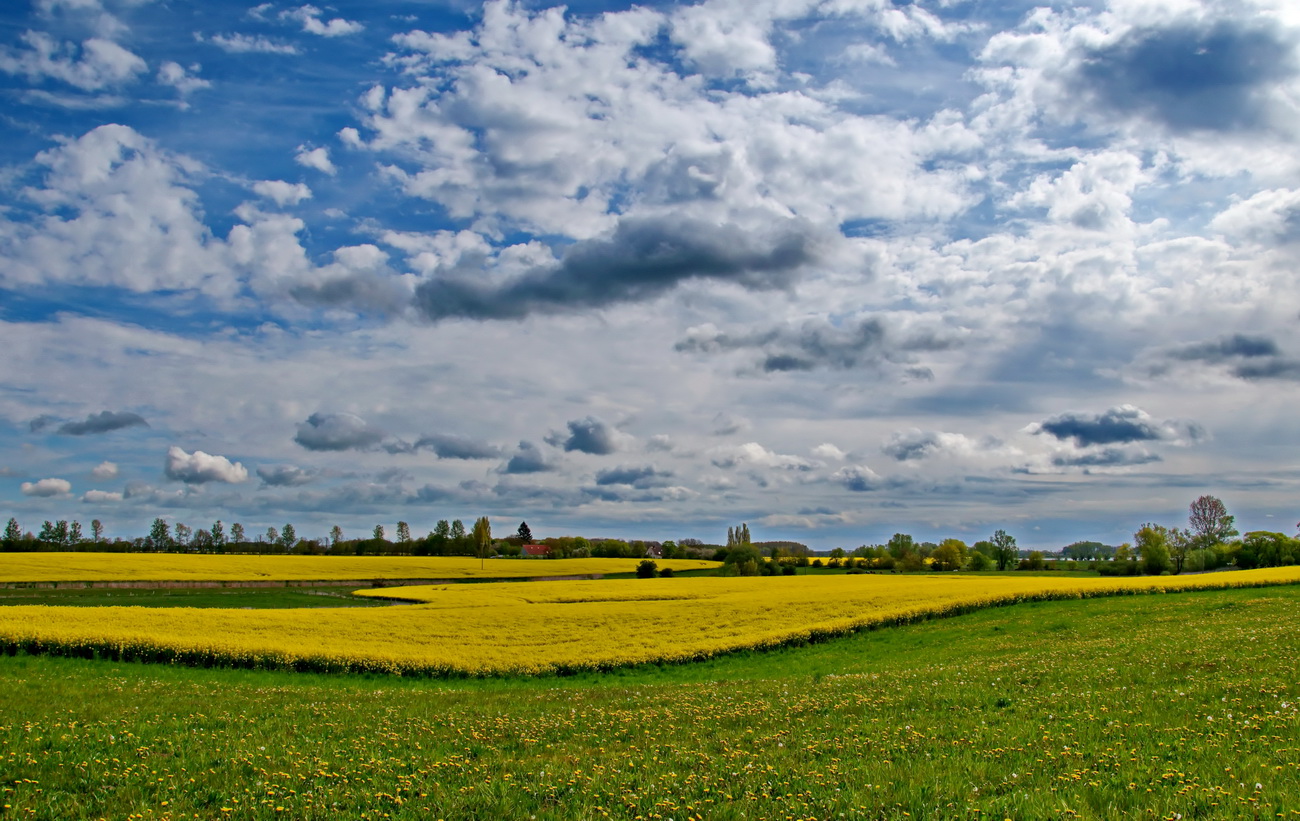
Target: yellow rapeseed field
x,y
110,567
546,626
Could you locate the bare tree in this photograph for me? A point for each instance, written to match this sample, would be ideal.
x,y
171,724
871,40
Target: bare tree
x,y
1210,522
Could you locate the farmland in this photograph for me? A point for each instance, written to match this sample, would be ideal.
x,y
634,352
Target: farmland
x,y
543,627
171,567
1137,706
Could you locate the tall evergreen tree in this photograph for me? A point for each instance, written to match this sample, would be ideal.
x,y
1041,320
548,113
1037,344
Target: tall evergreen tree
x,y
13,534
160,534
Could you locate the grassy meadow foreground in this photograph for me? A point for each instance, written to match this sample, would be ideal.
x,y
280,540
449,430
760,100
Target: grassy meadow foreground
x,y
1128,707
540,627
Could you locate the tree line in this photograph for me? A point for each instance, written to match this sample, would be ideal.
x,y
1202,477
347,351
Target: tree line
x,y
1209,541
448,538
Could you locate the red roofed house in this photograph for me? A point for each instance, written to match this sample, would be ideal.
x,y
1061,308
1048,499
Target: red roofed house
x,y
540,550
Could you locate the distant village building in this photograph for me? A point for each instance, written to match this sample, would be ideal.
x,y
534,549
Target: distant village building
x,y
538,550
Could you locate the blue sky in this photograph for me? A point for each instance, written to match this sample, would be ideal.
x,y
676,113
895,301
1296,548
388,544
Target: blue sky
x,y
835,268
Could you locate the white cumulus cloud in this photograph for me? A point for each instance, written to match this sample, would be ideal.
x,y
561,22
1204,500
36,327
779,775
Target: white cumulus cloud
x,y
198,467
317,158
47,488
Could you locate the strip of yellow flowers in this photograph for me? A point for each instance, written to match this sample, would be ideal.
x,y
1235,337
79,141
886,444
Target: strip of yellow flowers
x,y
180,567
547,626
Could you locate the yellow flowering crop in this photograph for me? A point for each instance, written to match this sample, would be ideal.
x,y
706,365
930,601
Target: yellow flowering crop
x,y
109,567
545,626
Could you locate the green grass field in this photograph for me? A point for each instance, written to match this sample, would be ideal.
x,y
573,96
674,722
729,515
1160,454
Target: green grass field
x,y
1160,706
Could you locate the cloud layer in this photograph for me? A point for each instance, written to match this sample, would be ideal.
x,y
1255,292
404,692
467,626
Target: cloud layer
x,y
834,269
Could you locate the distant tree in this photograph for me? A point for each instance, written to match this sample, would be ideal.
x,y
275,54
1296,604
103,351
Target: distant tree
x,y
74,533
403,532
482,537
202,540
731,537
900,544
647,569
457,530
442,530
744,534
1261,548
1034,561
183,533
160,536
13,534
980,561
218,533
336,535
949,555
288,537
1181,544
1083,550
743,559
1152,544
1124,553
1210,522
237,533
378,533
1004,549
97,530
525,534
61,533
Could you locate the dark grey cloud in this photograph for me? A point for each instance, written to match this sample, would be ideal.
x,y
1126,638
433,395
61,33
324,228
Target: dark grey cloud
x,y
858,478
912,445
528,458
643,258
451,446
446,446
284,475
393,476
102,422
1245,357
818,344
725,424
352,498
1118,425
41,422
337,431
1213,76
1270,369
638,476
1106,457
364,292
587,435
433,493
1228,347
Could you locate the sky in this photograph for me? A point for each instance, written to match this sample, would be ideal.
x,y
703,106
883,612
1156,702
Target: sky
x,y
833,268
